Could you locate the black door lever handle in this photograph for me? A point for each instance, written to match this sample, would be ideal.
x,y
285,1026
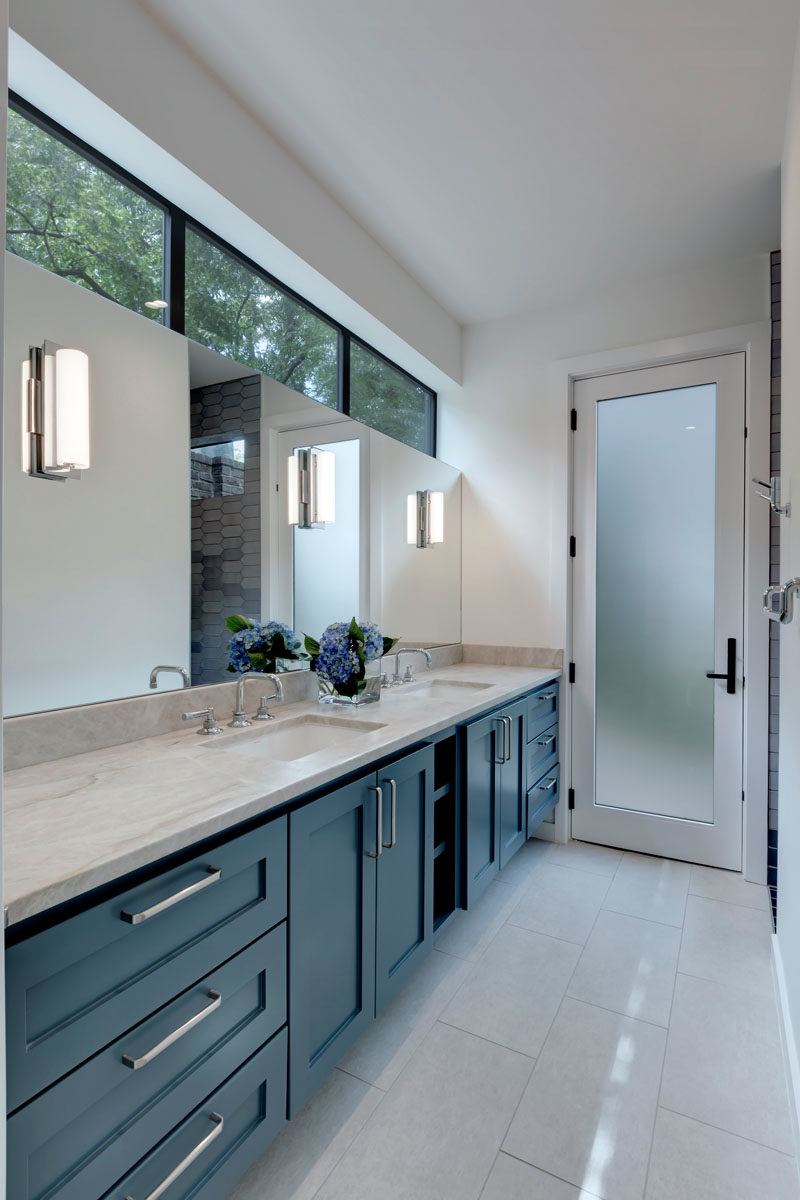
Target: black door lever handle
x,y
730,674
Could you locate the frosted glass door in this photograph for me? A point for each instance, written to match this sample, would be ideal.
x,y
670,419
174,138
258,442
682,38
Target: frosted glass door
x,y
657,583
656,484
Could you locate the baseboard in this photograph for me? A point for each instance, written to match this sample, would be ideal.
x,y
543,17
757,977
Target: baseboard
x,y
791,1061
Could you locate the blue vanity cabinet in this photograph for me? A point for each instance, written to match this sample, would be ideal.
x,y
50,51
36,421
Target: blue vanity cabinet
x,y
361,910
495,813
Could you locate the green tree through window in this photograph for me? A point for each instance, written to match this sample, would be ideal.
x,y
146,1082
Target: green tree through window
x,y
243,316
72,217
386,399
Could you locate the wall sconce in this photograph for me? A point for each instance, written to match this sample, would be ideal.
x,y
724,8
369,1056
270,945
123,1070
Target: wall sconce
x,y
55,412
312,488
425,519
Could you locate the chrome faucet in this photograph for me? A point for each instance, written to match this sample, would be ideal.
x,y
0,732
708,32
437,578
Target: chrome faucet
x,y
240,720
156,671
409,675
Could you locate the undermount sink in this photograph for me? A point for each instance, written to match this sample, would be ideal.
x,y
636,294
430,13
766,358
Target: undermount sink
x,y
296,737
444,688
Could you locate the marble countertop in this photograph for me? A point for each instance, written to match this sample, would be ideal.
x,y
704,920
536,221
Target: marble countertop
x,y
77,823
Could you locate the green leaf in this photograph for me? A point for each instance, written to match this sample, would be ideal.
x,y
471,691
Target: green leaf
x,y
355,630
311,645
237,623
389,644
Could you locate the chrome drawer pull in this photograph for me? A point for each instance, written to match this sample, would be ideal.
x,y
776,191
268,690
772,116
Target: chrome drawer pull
x,y
547,786
393,832
379,827
546,696
186,1162
213,876
548,741
135,1063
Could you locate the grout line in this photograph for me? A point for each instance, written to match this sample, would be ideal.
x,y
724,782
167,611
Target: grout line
x,y
638,917
361,1079
482,1038
735,903
583,1194
719,1128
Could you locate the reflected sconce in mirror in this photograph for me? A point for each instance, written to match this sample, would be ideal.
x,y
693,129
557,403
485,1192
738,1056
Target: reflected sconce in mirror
x,y
425,519
312,488
55,412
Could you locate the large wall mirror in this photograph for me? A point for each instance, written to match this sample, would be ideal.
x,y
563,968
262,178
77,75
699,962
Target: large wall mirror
x,y
183,518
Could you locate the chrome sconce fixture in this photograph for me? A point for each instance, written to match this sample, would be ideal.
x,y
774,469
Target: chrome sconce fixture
x,y
312,488
425,519
55,412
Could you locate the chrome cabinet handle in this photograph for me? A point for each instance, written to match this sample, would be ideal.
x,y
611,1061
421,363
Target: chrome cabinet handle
x,y
187,1162
548,741
499,761
379,831
509,724
547,786
393,827
546,696
213,876
160,1047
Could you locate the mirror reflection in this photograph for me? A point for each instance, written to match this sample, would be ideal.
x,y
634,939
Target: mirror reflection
x,y
183,518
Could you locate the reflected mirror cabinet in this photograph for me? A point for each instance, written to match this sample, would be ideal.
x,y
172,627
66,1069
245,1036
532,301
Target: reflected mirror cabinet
x,y
183,517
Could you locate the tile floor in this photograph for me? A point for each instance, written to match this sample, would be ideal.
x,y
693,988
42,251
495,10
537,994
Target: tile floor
x,y
602,1026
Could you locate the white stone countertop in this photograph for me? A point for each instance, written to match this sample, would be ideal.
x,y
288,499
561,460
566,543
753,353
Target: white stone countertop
x,y
77,823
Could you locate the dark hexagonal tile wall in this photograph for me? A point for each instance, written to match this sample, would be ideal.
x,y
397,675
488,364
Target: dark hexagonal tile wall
x,y
226,534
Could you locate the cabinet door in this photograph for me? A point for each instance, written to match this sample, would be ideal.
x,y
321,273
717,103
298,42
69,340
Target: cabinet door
x,y
510,784
482,740
404,926
331,931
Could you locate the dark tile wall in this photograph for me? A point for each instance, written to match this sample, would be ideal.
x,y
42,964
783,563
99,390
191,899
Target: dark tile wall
x,y
774,577
226,530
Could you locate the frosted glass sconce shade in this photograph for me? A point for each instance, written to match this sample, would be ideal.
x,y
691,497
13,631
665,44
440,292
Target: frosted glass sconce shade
x,y
425,519
55,412
311,488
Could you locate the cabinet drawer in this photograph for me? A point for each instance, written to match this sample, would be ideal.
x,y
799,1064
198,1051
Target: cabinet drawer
x,y
206,1154
542,753
543,797
542,709
72,989
75,1139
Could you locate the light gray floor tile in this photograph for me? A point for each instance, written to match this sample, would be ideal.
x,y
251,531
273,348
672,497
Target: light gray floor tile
x,y
629,965
587,1114
436,1133
729,944
525,863
653,888
724,1063
691,1161
728,886
470,932
584,856
511,1179
301,1157
380,1054
561,902
513,993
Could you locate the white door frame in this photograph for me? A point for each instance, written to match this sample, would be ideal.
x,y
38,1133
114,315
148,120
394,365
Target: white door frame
x,y
754,341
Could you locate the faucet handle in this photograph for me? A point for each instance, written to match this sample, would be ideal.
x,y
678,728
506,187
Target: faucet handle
x,y
209,724
262,712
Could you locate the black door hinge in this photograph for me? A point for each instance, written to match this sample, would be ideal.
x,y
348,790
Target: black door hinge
x,y
571,798
742,797
571,675
573,419
572,545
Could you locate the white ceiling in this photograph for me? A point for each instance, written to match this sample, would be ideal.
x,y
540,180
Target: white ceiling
x,y
516,154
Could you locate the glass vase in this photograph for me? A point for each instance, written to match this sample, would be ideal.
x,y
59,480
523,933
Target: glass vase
x,y
369,691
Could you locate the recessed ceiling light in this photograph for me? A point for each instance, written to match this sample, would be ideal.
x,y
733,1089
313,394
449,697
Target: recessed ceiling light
x,y
156,304
690,427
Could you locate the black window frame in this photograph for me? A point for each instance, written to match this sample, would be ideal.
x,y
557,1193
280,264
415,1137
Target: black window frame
x,y
174,266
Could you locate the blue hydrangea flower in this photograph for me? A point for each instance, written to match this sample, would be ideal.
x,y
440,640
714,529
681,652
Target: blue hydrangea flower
x,y
373,640
259,639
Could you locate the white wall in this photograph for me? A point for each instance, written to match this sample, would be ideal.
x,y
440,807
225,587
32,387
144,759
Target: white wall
x,y
3,85
788,942
96,584
118,51
507,430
